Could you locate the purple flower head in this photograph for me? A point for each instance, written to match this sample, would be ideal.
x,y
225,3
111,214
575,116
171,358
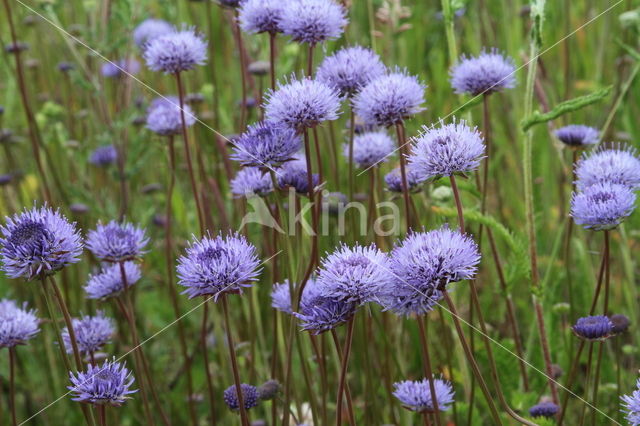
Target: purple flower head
x,y
250,396
119,68
281,297
108,384
596,327
301,104
38,242
150,29
313,21
544,409
576,135
176,51
353,274
393,179
350,69
631,405
164,117
64,66
602,206
92,333
213,266
261,16
487,73
294,174
117,242
615,165
319,313
108,282
423,264
104,156
447,150
620,323
416,395
370,149
390,99
266,144
16,325
251,181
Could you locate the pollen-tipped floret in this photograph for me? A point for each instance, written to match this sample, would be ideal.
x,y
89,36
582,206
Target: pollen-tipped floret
x,y
176,51
109,281
92,333
266,144
602,206
150,29
370,149
108,384
447,150
261,16
486,73
251,181
614,165
164,116
576,135
17,325
350,69
416,395
301,104
38,242
117,242
353,274
222,264
389,99
313,21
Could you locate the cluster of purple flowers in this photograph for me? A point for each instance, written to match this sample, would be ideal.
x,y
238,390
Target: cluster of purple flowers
x,y
17,325
108,384
606,181
91,333
416,395
164,116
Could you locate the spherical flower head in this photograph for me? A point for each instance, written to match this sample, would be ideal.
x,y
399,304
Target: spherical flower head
x,y
370,149
602,206
92,333
423,264
213,266
109,283
301,104
350,69
104,156
281,297
353,274
176,52
544,409
319,313
416,395
164,116
447,150
620,323
261,16
150,29
120,68
393,179
596,327
251,181
37,243
631,405
294,174
117,242
108,384
615,165
266,144
17,325
390,99
250,397
313,21
487,73
577,135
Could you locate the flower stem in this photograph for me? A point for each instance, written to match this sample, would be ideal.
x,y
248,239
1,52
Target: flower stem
x,y
428,372
205,356
12,385
405,187
272,59
234,362
343,371
456,196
